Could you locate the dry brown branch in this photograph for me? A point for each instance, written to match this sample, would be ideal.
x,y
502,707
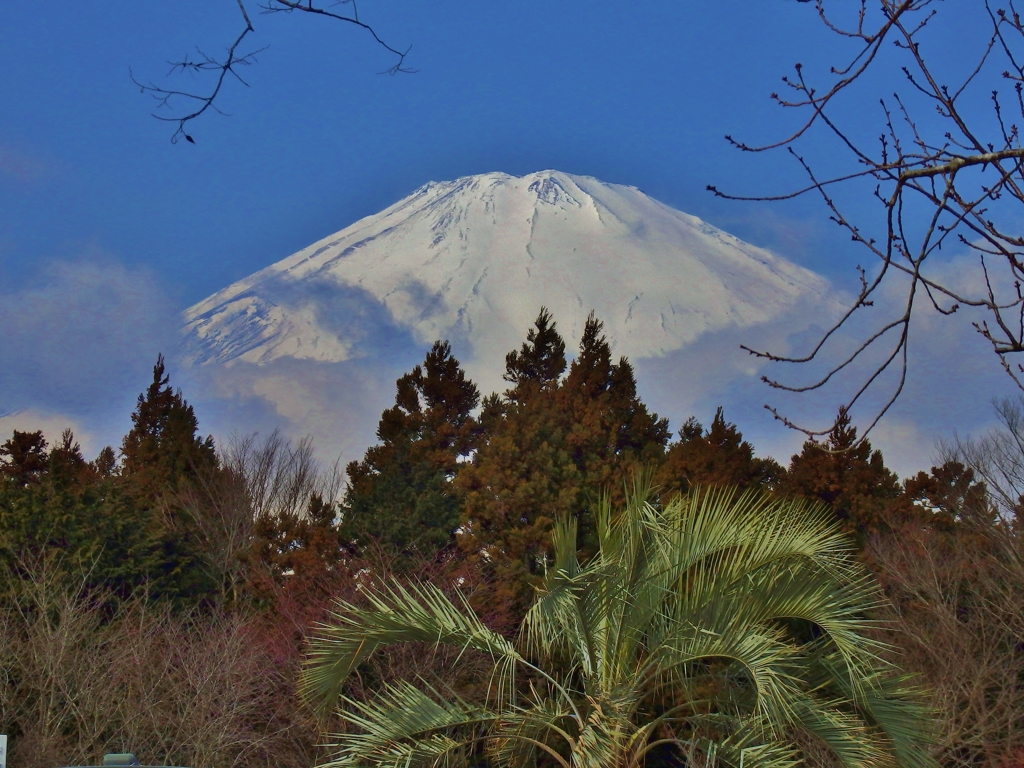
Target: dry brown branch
x,y
945,175
956,618
258,478
195,104
83,675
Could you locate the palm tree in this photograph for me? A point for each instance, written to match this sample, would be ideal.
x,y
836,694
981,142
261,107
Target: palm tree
x,y
719,629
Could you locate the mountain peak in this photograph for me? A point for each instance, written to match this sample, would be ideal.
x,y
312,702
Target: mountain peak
x,y
473,259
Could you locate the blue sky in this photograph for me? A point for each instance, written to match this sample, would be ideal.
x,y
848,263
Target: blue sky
x,y
107,230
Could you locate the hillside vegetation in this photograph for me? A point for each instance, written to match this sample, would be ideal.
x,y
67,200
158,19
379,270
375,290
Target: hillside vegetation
x,y
161,597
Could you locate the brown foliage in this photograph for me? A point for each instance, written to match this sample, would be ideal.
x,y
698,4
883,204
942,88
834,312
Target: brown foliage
x,y
552,445
81,678
719,456
848,476
956,619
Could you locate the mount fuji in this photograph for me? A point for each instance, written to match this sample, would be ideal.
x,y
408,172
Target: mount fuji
x,y
472,261
475,258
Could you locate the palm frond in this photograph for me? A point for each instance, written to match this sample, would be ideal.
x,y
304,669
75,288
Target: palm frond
x,y
891,703
554,624
745,749
397,614
715,627
849,738
527,730
404,726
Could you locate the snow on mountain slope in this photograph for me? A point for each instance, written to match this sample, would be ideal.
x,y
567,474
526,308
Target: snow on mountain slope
x,y
473,260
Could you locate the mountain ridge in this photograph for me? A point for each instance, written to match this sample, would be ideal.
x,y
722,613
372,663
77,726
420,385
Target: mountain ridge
x,y
474,258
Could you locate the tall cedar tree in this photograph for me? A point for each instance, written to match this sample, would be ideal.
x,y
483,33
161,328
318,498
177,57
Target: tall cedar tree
x,y
549,447
163,449
161,456
720,456
851,479
522,476
609,429
401,493
539,363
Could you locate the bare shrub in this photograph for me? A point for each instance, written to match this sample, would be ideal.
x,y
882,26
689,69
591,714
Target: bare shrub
x,y
957,621
257,479
81,678
54,657
998,457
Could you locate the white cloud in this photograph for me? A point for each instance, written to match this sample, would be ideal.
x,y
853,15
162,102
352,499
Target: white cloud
x,y
337,404
78,346
81,341
52,425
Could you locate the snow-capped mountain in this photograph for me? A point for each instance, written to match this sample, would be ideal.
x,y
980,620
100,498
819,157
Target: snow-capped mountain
x,y
473,260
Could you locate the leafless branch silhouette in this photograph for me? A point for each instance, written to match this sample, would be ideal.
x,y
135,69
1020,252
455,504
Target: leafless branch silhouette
x,y
947,174
181,107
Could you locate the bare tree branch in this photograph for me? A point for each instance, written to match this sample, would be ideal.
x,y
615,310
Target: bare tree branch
x,y
183,106
941,179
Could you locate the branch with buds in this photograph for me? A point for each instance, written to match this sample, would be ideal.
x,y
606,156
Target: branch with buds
x,y
941,177
181,107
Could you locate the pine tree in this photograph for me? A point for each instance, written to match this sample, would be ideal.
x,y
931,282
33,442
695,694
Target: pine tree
x,y
850,477
540,362
55,507
163,448
162,457
551,447
720,456
401,493
105,462
67,465
296,553
521,480
948,495
610,432
26,458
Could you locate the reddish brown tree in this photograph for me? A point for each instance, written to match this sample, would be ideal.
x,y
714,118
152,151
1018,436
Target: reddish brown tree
x,y
717,456
551,446
850,478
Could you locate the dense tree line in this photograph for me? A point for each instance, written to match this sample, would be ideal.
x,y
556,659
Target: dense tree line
x,y
173,542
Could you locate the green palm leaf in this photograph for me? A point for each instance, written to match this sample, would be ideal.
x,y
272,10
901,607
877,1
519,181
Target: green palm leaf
x,y
398,614
717,626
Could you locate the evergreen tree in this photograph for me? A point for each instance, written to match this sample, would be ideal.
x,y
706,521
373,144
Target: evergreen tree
x,y
522,479
23,457
298,553
541,360
401,492
70,516
66,463
163,448
850,478
162,457
550,447
105,463
720,456
949,494
609,429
